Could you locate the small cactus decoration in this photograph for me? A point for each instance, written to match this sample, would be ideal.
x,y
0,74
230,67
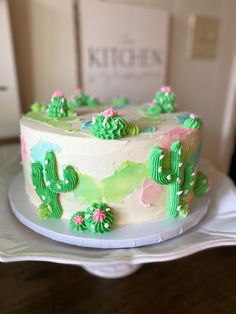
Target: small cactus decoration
x,y
48,186
163,102
120,101
80,99
193,122
110,126
179,178
58,107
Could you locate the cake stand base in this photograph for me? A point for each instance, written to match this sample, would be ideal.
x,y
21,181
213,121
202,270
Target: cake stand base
x,y
121,237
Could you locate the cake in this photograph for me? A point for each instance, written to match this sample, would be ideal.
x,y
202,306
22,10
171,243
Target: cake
x,y
99,166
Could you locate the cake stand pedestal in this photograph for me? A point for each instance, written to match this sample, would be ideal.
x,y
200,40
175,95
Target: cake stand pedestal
x,y
113,271
19,243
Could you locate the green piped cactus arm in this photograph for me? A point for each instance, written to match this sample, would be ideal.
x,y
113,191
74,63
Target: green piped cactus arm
x,y
172,176
49,198
157,171
189,175
38,182
48,186
52,180
201,186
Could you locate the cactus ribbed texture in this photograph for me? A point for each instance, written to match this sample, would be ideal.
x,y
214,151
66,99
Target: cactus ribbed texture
x,y
176,175
48,186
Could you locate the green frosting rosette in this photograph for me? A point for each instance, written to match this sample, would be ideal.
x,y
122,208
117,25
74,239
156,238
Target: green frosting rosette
x,y
77,221
44,212
81,99
109,125
201,186
58,107
193,122
99,218
38,107
132,129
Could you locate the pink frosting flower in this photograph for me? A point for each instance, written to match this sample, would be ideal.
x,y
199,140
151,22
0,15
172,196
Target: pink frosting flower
x,y
99,215
78,220
78,90
58,93
165,89
110,112
152,104
192,116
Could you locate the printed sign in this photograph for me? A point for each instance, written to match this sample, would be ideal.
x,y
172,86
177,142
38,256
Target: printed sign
x,y
123,49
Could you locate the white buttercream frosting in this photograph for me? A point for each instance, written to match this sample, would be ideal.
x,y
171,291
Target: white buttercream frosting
x,y
101,158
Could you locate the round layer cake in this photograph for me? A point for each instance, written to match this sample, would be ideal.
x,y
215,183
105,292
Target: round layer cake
x,y
137,163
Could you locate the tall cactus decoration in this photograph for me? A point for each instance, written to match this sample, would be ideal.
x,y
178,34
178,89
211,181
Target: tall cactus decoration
x,y
178,177
58,107
48,186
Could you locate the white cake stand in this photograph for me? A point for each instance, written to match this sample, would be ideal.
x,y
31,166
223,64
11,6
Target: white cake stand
x,y
121,237
19,243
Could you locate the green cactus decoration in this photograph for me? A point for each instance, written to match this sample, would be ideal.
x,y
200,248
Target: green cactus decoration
x,y
166,99
120,101
110,126
58,107
80,99
178,177
163,102
48,186
154,109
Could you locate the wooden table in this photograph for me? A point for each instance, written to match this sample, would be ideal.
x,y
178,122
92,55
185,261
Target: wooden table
x,y
201,283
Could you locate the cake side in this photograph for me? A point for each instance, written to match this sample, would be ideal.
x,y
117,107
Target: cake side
x,y
98,165
114,172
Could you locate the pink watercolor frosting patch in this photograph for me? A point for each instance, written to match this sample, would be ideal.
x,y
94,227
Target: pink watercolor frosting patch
x,y
24,150
150,192
177,134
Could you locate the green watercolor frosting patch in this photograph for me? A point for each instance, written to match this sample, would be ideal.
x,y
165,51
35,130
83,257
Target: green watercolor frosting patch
x,y
65,123
89,189
127,177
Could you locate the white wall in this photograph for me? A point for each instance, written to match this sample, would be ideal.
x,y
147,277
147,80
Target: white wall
x,y
201,86
53,47
45,48
204,86
9,98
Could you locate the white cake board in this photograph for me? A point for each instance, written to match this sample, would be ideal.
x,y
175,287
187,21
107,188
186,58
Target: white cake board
x,y
126,236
